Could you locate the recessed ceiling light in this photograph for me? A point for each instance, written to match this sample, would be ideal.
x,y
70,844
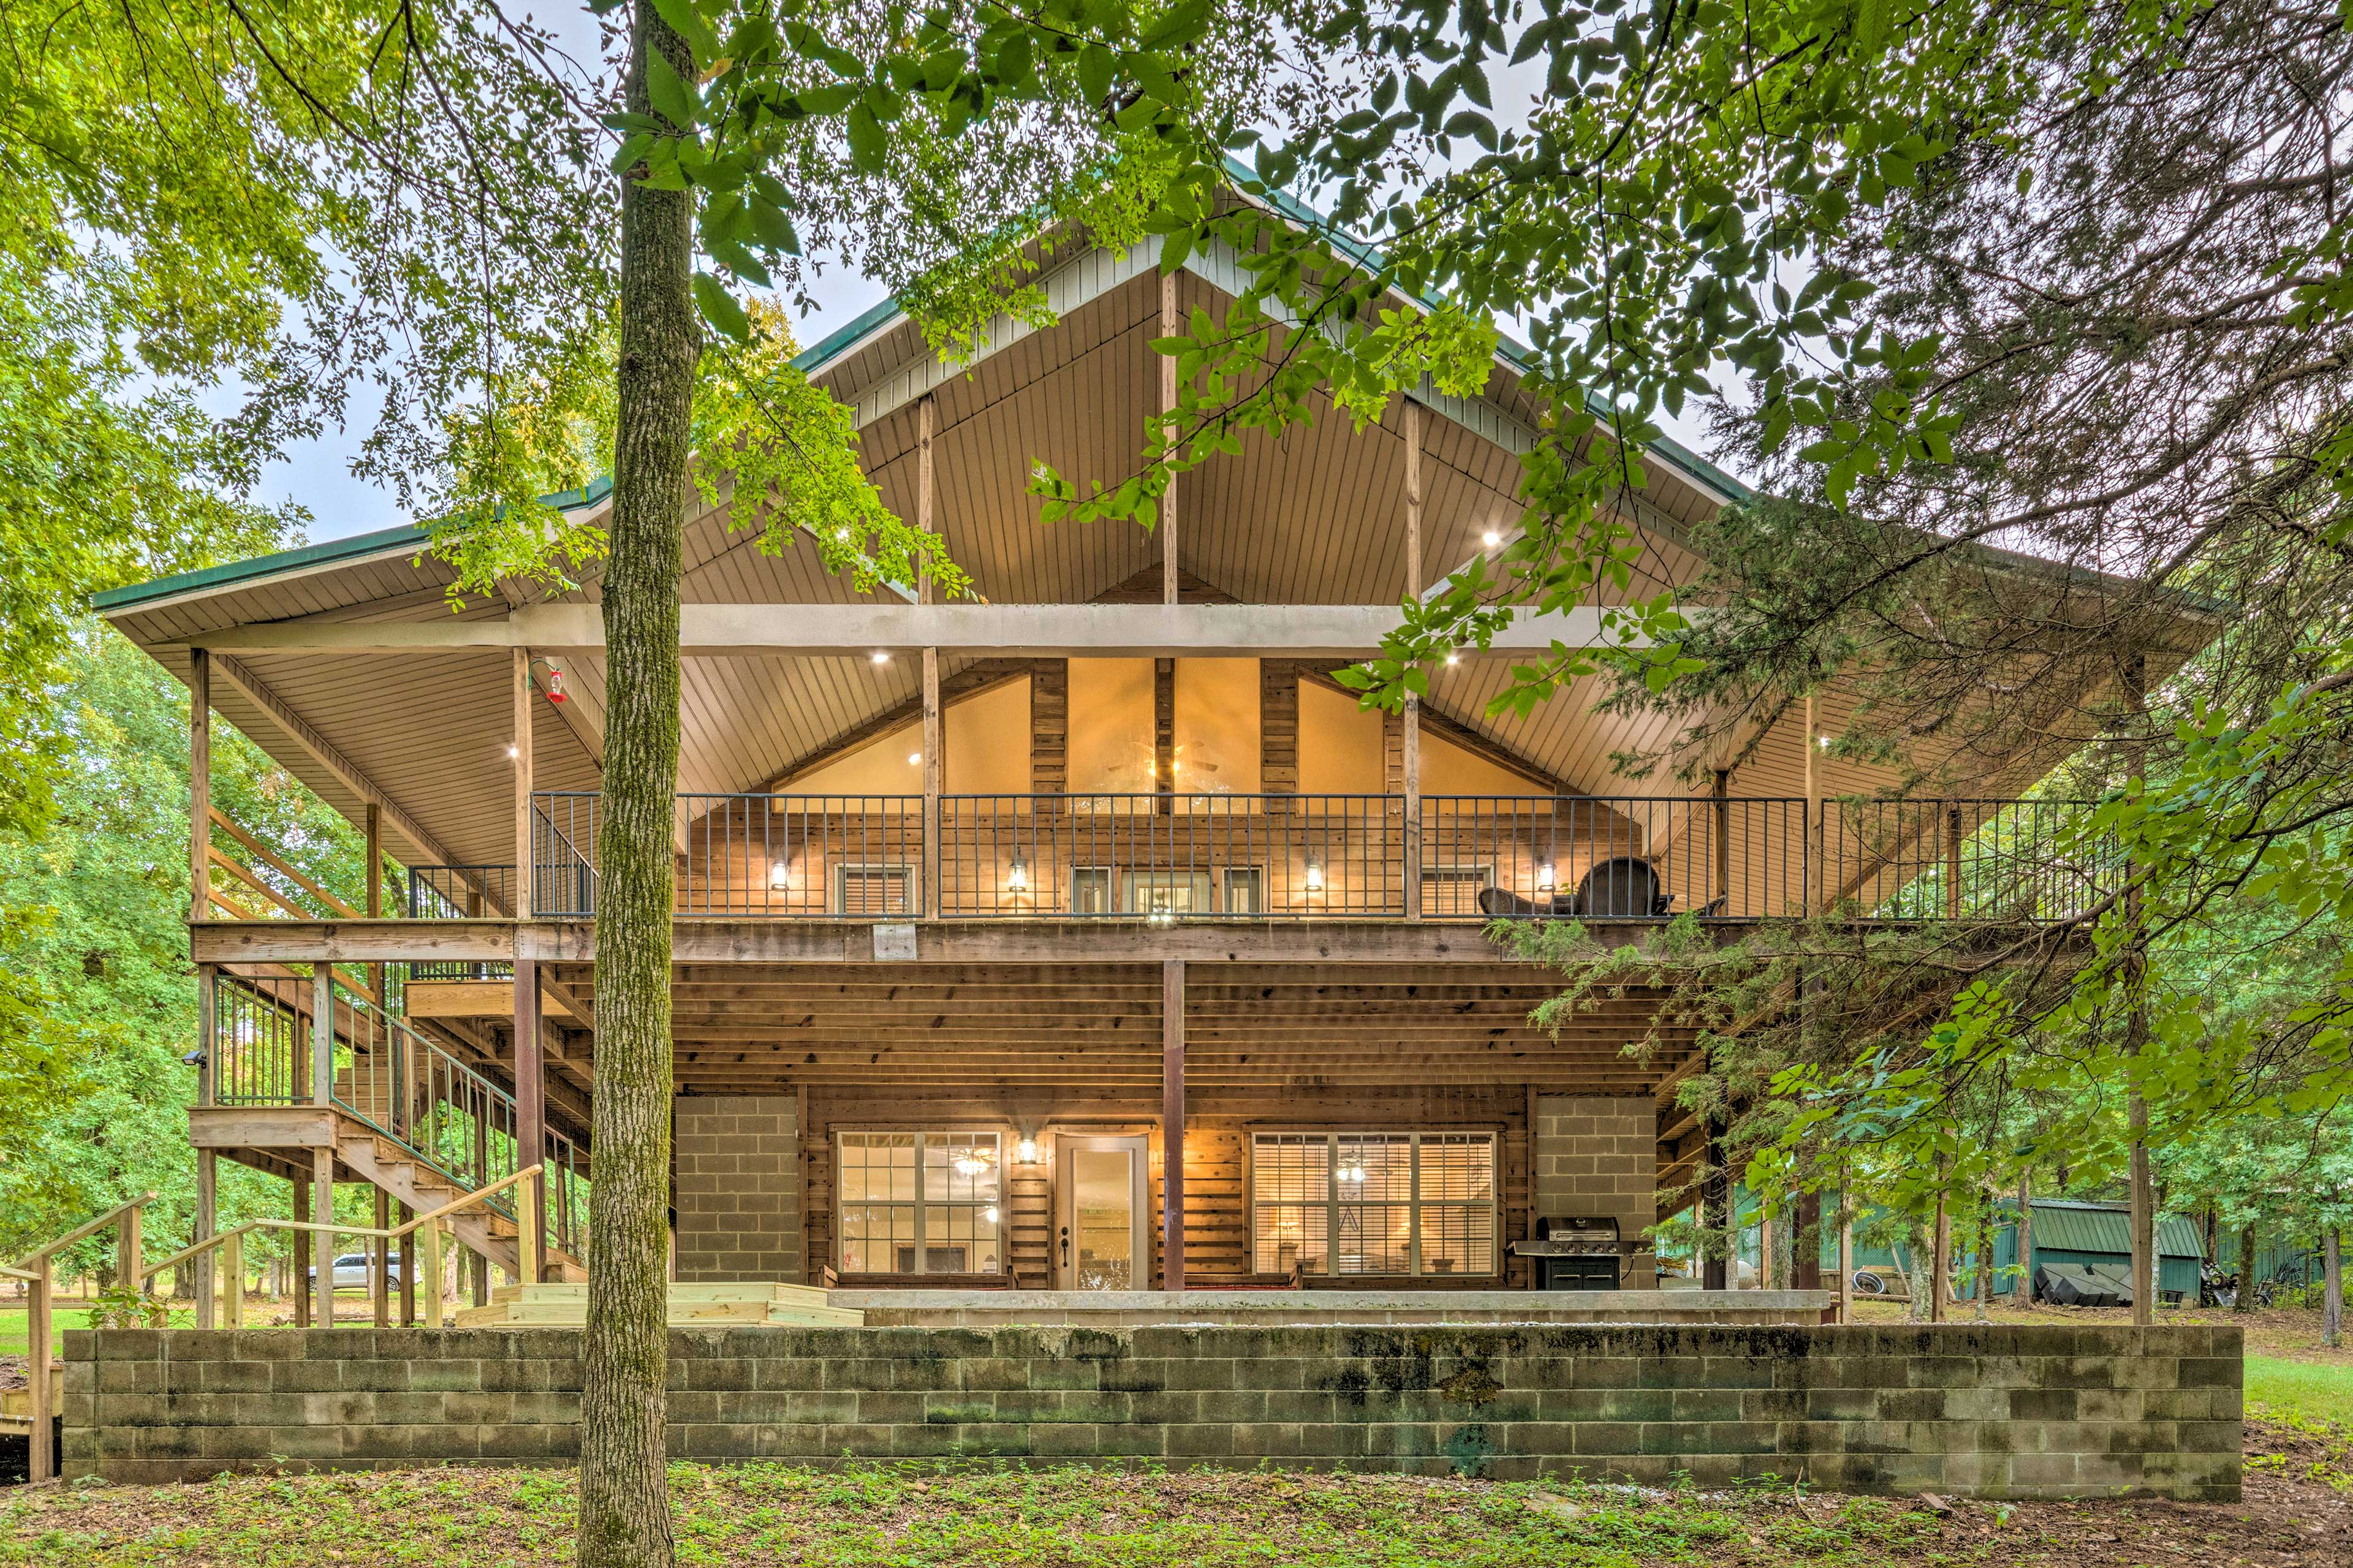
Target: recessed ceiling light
x,y
881,657
1491,539
514,751
1452,659
915,759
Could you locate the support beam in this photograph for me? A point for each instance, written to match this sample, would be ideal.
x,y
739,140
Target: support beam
x,y
423,846
38,1331
1172,1124
520,750
208,1223
927,415
407,1271
1413,440
1162,630
323,1212
1163,734
299,1264
200,784
379,1253
1169,326
1412,784
935,777
531,1099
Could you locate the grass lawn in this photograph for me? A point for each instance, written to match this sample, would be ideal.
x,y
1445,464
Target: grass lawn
x,y
2305,1392
922,1517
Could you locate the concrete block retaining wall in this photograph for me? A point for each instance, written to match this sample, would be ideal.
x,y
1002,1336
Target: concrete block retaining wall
x,y
1987,1411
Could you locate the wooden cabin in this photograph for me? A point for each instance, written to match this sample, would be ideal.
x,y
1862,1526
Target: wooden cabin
x,y
1083,935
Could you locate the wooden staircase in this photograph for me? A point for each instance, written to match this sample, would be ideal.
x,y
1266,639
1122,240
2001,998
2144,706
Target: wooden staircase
x,y
398,1170
696,1306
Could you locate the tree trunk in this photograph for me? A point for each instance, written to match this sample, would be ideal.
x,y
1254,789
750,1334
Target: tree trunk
x,y
624,1491
1985,1254
2244,1301
2332,1287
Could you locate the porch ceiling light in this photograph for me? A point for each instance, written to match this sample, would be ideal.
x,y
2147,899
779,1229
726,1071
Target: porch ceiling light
x,y
882,655
915,759
1454,657
1026,1150
1491,539
1016,876
1315,875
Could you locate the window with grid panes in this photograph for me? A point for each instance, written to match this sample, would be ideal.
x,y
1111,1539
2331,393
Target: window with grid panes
x,y
1412,1203
922,1202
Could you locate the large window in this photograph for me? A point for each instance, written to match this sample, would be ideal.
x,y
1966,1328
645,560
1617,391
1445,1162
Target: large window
x,y
1416,1203
922,1202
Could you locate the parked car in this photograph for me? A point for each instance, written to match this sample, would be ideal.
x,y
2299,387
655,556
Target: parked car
x,y
351,1271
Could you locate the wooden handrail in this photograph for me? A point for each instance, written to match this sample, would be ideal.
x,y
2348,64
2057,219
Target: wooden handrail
x,y
271,1223
93,1228
263,853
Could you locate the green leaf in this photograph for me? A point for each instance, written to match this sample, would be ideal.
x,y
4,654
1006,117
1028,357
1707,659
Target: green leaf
x,y
867,141
674,99
721,309
771,228
687,22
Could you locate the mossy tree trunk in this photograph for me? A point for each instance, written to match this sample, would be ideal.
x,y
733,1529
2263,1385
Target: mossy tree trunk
x,y
624,1498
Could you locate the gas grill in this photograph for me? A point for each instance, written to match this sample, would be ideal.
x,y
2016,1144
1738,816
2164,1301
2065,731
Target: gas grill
x,y
1575,1254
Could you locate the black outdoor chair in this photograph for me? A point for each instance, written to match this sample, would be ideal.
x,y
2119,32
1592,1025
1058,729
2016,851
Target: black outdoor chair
x,y
1624,888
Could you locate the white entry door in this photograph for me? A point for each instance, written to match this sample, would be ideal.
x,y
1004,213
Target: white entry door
x,y
1101,1236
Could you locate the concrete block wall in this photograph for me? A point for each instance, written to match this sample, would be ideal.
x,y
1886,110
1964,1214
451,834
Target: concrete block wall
x,y
1978,1410
739,1188
1596,1156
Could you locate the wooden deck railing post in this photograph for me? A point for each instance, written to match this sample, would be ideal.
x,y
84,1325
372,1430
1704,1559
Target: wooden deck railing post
x,y
323,1214
523,901
1724,841
1412,744
232,1277
531,1107
129,1247
935,774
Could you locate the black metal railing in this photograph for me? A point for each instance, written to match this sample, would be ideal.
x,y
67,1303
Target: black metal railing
x,y
381,1072
1347,856
462,893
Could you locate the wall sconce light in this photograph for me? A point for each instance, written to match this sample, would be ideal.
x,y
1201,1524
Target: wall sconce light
x,y
1016,876
1026,1150
1315,875
780,876
1544,876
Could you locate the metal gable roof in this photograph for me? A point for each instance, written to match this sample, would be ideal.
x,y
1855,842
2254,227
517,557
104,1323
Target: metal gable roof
x,y
2062,1225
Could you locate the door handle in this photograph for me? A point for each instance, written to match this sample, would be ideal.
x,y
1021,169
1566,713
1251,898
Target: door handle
x,y
1066,1246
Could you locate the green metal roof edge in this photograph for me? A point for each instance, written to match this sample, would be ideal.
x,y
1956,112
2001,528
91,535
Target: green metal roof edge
x,y
327,552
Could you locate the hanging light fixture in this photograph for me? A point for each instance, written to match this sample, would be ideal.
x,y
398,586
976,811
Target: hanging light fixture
x,y
1314,876
780,876
1352,1173
1544,876
968,1163
1026,1150
1016,876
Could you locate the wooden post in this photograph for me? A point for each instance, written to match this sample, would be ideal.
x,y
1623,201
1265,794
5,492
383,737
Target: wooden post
x,y
131,1250
299,1267
322,1033
1940,1263
531,1110
323,1212
1716,1272
232,1273
208,1223
1168,522
1412,807
380,1263
525,899
37,1332
408,1270
1845,1256
926,427
936,731
1412,423
1764,1247
430,1235
1172,1123
1163,735
200,784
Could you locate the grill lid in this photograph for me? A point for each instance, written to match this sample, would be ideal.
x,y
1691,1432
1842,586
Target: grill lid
x,y
1571,1236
